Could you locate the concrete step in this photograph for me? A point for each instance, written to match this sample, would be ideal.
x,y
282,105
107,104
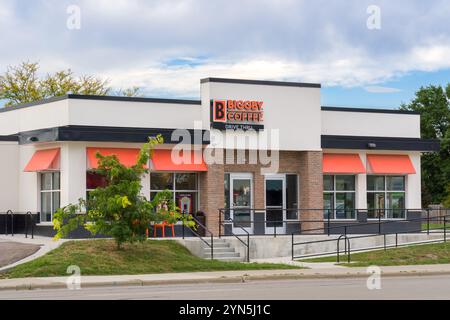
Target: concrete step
x,y
221,249
230,259
223,255
218,245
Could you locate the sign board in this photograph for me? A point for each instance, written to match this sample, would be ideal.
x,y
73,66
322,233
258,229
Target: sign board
x,y
237,114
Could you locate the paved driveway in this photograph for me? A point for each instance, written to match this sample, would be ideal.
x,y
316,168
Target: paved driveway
x,y
11,252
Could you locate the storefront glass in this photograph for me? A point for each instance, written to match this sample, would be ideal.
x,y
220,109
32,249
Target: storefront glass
x,y
386,197
339,196
49,195
184,186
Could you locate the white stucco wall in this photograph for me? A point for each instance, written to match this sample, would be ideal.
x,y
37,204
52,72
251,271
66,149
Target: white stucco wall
x,y
133,114
370,124
73,172
48,115
293,111
414,184
28,182
100,113
9,176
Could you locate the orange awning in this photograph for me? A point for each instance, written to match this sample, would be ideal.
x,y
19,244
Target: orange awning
x,y
127,157
43,160
390,164
342,163
163,161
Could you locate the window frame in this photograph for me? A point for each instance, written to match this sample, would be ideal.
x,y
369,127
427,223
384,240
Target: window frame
x,y
334,192
297,181
386,192
174,190
51,191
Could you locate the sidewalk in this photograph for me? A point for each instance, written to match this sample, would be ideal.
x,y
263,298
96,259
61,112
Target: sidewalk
x,y
220,277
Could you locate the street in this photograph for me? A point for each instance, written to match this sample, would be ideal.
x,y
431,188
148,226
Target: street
x,y
409,287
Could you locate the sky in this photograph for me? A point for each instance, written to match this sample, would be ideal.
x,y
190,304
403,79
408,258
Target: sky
x,y
364,53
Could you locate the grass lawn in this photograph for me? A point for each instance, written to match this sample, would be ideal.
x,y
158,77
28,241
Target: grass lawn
x,y
435,226
419,254
100,257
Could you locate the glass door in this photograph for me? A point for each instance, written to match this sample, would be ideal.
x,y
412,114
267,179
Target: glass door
x,y
241,202
275,204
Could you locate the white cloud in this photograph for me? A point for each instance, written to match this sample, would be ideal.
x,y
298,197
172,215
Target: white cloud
x,y
130,41
357,70
381,89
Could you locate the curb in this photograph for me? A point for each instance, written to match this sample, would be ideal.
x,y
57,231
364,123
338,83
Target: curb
x,y
221,279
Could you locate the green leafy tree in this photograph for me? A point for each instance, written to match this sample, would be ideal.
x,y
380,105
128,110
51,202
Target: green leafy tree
x,y
22,84
119,209
433,103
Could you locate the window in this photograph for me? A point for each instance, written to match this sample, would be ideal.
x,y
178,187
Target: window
x,y
386,197
50,195
291,196
227,203
93,181
184,187
339,196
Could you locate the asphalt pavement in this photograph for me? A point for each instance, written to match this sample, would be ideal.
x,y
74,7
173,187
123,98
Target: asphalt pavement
x,y
408,287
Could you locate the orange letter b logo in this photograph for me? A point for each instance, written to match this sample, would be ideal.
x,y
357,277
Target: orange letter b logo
x,y
219,111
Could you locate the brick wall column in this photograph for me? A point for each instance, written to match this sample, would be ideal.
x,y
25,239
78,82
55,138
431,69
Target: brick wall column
x,y
212,195
311,190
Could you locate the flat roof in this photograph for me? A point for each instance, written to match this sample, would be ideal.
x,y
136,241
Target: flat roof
x,y
262,82
368,110
100,98
198,102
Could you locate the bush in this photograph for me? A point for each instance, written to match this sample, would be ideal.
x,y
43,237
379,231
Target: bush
x,y
119,210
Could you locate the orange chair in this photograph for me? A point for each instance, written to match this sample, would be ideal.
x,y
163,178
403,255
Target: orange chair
x,y
163,226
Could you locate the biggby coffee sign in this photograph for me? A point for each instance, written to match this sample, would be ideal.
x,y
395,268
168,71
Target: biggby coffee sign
x,y
237,114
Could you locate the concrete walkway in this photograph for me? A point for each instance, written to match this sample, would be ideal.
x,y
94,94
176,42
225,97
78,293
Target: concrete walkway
x,y
289,261
46,244
220,277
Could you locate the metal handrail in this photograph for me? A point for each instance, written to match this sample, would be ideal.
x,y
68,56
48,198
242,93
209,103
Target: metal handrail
x,y
347,247
210,245
7,214
246,244
385,246
29,220
380,222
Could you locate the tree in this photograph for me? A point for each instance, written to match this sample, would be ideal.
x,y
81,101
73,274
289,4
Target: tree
x,y
433,103
119,209
21,84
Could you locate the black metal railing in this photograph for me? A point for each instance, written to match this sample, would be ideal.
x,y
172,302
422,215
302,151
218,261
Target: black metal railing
x,y
9,213
29,221
18,223
348,250
328,223
246,243
194,231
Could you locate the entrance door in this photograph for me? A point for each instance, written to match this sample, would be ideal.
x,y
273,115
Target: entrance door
x,y
275,203
241,202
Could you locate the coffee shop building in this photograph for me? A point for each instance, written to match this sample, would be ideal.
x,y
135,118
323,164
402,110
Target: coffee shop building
x,y
262,155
